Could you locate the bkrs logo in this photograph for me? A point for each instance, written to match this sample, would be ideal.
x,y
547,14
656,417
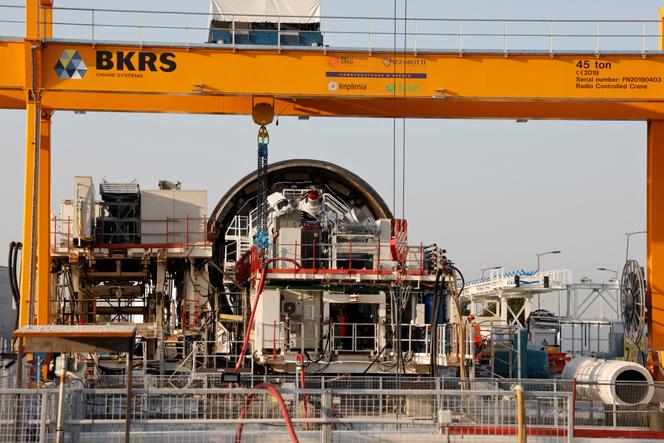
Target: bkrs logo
x,y
135,61
70,65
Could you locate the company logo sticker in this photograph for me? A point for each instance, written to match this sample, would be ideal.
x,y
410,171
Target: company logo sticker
x,y
400,61
70,65
375,74
332,86
333,61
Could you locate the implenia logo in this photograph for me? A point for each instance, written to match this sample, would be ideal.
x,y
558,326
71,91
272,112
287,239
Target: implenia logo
x,y
71,65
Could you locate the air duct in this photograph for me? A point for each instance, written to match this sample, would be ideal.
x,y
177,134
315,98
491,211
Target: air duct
x,y
610,381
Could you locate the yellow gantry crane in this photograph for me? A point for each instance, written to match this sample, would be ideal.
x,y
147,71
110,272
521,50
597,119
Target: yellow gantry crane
x,y
42,75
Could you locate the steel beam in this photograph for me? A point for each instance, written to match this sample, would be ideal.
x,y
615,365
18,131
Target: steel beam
x,y
26,282
655,241
42,309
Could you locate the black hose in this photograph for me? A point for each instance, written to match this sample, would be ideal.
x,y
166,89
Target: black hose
x,y
10,260
19,245
376,358
433,363
463,280
14,247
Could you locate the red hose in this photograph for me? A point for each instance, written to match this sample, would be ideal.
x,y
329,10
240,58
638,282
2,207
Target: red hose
x,y
243,414
259,291
284,411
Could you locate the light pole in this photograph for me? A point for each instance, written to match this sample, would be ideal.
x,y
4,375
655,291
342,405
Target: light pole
x,y
544,253
609,270
539,296
629,234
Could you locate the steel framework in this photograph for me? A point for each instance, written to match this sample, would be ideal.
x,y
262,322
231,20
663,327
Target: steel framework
x,y
516,78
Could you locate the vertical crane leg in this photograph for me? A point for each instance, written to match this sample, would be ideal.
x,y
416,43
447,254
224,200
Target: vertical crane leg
x,y
36,257
26,258
42,310
655,228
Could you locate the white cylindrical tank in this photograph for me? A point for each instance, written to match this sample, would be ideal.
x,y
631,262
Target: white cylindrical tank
x,y
601,380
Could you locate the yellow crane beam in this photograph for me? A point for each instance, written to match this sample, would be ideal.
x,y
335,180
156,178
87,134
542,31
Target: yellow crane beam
x,y
305,82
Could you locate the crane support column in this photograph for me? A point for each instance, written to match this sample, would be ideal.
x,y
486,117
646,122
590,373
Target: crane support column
x,y
655,227
36,258
44,222
26,284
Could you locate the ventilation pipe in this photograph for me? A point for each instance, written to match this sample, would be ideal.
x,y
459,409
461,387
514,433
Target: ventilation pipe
x,y
610,381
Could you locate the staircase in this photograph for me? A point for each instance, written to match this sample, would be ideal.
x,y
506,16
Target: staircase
x,y
483,366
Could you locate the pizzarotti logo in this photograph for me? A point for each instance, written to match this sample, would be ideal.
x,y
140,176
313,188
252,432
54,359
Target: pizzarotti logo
x,y
71,65
120,64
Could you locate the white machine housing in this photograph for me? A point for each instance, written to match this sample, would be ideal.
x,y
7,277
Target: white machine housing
x,y
299,11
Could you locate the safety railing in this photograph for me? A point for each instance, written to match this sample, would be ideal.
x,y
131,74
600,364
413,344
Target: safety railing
x,y
217,355
586,337
239,227
558,404
504,348
323,415
352,257
12,20
491,286
179,233
354,337
413,34
276,339
174,349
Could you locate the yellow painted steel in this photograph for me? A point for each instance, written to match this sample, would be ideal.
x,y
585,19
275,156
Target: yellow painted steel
x,y
223,81
220,81
32,11
25,283
44,222
357,75
38,25
655,190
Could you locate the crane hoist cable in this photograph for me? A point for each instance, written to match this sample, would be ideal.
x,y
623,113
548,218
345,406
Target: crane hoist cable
x,y
403,133
261,238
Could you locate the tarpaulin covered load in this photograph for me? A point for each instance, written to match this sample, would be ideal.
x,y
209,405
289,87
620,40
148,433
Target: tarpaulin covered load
x,y
285,11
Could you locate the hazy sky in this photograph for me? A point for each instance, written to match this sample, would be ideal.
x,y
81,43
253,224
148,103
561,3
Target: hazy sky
x,y
492,192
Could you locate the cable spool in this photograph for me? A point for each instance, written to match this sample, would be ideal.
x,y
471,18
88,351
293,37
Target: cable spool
x,y
633,301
